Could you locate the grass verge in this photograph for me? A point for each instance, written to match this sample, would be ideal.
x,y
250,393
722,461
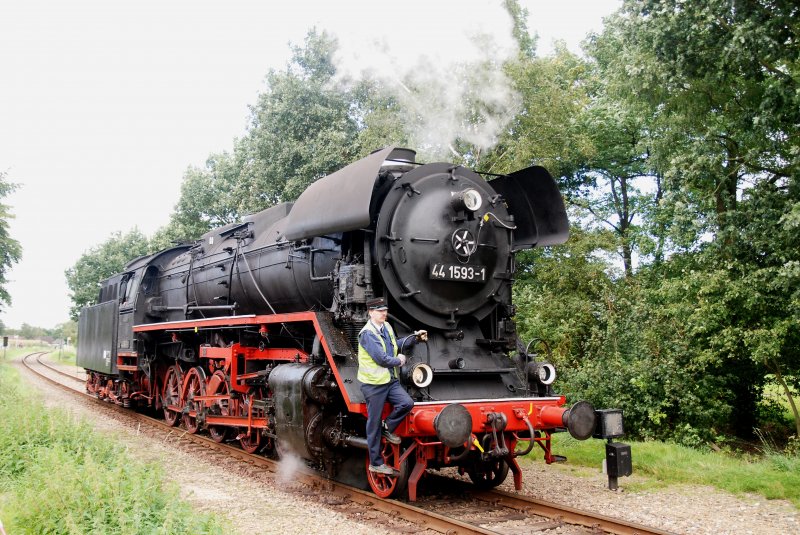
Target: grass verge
x,y
772,475
59,476
63,355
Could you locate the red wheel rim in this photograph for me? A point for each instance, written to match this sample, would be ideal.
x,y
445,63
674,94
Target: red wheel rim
x,y
222,407
172,396
109,390
195,386
250,443
386,486
92,383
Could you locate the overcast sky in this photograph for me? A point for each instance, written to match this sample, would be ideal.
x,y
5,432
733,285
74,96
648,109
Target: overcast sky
x,y
104,104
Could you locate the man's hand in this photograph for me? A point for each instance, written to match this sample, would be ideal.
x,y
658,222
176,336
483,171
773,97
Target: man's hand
x,y
422,336
402,359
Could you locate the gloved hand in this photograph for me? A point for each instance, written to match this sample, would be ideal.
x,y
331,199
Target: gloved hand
x,y
422,335
402,359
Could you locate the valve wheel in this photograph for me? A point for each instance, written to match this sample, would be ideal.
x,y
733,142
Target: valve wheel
x,y
385,486
463,242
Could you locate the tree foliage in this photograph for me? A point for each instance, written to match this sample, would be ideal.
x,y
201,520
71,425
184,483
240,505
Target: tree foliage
x,y
62,332
545,130
99,263
721,81
715,86
10,249
620,187
675,143
209,198
558,292
688,124
303,126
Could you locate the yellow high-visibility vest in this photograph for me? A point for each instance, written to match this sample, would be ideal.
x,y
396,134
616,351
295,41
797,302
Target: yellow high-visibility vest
x,y
369,371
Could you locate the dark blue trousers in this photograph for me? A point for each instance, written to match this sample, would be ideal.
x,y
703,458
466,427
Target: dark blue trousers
x,y
376,396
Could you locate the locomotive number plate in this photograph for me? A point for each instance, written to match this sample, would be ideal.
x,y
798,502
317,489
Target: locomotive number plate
x,y
458,272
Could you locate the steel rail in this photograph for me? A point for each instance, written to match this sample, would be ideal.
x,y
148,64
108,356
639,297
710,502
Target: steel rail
x,y
59,371
421,517
570,515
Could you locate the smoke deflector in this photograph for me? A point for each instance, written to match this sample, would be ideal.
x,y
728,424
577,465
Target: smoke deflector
x,y
536,204
338,202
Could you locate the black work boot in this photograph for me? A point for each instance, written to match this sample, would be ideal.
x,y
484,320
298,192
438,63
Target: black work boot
x,y
390,437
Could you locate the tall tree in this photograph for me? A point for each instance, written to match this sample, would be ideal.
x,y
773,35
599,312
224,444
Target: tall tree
x,y
719,82
67,331
381,117
301,127
10,249
621,189
723,79
210,197
545,130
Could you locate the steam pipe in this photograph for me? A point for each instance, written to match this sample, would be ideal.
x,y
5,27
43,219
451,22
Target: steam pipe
x,y
336,437
192,308
530,442
460,456
355,442
367,267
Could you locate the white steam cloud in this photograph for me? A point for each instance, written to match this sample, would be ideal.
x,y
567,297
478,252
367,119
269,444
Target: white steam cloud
x,y
288,467
442,61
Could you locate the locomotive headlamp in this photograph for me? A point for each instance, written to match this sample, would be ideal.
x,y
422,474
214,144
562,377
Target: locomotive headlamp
x,y
419,374
472,200
469,199
543,372
546,373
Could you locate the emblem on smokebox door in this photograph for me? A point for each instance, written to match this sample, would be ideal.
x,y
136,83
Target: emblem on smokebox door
x,y
463,242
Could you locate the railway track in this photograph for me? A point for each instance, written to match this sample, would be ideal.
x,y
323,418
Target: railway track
x,y
40,361
464,510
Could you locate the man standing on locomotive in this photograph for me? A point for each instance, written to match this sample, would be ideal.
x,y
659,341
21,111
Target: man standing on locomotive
x,y
378,356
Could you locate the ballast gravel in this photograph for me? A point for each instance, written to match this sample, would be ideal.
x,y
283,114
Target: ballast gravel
x,y
251,501
689,509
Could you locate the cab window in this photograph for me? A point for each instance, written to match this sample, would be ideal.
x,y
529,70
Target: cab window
x,y
127,289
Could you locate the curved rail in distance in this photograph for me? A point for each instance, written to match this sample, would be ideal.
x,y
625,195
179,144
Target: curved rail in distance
x,y
56,369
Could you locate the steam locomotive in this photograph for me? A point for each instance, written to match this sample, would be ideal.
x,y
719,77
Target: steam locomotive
x,y
250,333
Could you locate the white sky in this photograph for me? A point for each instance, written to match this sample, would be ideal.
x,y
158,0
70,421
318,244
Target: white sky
x,y
104,104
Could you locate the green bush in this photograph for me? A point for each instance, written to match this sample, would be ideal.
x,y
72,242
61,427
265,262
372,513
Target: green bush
x,y
59,476
657,345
